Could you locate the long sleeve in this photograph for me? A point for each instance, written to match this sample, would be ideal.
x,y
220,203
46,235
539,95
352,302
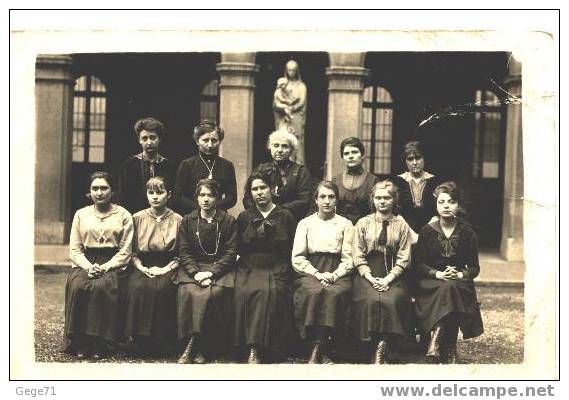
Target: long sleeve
x,y
123,255
185,249
300,250
472,258
422,251
184,204
76,247
299,205
230,198
359,249
403,257
227,258
346,263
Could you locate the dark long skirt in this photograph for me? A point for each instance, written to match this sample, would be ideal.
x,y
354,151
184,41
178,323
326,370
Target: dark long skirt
x,y
150,303
263,302
92,305
378,313
435,299
319,306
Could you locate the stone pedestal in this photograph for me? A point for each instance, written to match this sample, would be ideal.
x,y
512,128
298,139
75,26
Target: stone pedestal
x,y
512,221
345,109
236,105
54,127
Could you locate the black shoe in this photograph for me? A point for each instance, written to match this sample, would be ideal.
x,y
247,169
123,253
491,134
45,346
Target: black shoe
x,y
433,354
186,357
199,358
379,357
253,356
315,355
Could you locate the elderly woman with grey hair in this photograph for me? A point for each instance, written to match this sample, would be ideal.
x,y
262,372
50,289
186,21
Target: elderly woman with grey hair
x,y
291,186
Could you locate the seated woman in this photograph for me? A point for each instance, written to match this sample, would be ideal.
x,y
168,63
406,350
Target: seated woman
x,y
150,296
289,182
100,248
322,257
263,298
207,164
355,183
137,169
381,306
416,187
205,279
447,263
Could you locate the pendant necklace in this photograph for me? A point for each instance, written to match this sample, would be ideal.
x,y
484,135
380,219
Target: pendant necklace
x,y
210,176
217,234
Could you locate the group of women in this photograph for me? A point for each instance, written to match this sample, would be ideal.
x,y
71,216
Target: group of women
x,y
345,259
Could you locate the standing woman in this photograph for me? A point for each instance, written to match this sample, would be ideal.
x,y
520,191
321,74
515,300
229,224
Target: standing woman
x,y
322,257
447,263
355,183
381,308
100,248
207,164
263,298
289,182
416,188
150,298
208,248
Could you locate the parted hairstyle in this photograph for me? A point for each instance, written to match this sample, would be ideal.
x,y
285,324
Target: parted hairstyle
x,y
451,188
328,185
392,189
207,126
96,175
258,175
354,142
413,147
289,137
210,184
149,124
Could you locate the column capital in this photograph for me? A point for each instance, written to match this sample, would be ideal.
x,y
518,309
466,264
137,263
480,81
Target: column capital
x,y
237,74
54,68
346,79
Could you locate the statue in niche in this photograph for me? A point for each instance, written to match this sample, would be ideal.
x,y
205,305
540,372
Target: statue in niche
x,y
289,105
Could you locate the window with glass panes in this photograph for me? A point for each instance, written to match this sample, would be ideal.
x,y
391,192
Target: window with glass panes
x,y
487,125
209,102
89,120
377,127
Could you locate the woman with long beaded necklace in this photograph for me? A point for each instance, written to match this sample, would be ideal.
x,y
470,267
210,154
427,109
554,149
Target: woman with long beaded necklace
x,y
205,279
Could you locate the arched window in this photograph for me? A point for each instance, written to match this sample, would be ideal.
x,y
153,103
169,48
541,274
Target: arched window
x,y
487,124
209,102
378,129
89,120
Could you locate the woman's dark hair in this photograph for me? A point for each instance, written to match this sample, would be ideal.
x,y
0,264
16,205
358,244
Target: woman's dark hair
x,y
328,185
454,193
258,175
412,148
207,126
149,124
158,184
210,184
392,189
354,142
102,175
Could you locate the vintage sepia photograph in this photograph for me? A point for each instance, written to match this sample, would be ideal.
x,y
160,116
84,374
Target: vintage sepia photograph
x,y
281,204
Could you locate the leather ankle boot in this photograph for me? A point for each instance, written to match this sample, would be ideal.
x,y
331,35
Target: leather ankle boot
x,y
380,352
315,355
433,354
253,356
186,357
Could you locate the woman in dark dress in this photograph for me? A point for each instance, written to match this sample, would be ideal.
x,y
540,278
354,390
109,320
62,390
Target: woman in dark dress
x,y
100,248
447,263
289,182
355,183
322,258
416,187
206,277
263,297
137,169
150,295
207,164
381,306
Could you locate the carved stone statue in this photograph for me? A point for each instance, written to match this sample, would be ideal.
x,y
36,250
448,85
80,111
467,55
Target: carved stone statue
x,y
289,105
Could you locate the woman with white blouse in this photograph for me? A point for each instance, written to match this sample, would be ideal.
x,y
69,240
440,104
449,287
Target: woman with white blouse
x,y
100,247
321,256
150,295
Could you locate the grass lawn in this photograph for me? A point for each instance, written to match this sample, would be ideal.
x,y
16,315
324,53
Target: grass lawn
x,y
502,313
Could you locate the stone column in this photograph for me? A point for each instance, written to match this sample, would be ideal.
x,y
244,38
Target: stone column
x,y
54,130
512,220
345,95
236,104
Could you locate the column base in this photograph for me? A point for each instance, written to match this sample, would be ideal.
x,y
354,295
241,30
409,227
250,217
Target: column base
x,y
512,249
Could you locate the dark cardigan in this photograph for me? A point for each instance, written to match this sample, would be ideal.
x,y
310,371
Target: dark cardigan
x,y
417,217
